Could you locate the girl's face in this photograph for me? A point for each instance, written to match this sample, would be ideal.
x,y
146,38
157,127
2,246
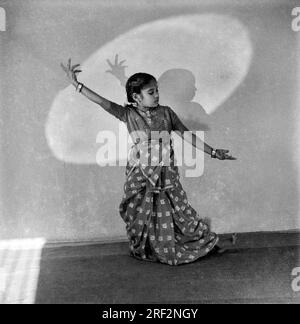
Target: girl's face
x,y
149,96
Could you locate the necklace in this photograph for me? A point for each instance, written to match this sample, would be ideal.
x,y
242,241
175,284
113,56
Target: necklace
x,y
149,111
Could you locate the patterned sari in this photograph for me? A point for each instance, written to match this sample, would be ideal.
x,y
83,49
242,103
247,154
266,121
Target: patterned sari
x,y
161,224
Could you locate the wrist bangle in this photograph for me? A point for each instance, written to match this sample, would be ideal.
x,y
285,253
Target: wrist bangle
x,y
213,154
79,87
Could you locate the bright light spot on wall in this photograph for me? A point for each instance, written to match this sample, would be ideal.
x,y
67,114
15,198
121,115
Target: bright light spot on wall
x,y
210,54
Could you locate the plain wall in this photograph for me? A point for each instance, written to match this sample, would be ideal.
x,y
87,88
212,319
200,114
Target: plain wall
x,y
42,196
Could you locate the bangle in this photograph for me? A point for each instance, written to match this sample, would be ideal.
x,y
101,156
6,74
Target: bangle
x,y
79,87
213,154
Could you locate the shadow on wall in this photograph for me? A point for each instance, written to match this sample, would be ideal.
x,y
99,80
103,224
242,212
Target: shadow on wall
x,y
177,89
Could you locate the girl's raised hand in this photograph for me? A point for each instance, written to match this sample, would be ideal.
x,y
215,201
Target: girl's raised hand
x,y
223,155
71,71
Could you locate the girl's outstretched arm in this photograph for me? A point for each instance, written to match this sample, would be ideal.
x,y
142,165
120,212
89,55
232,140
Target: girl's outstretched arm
x,y
111,107
193,139
95,97
196,141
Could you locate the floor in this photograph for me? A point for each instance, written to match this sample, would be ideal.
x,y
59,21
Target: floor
x,y
258,270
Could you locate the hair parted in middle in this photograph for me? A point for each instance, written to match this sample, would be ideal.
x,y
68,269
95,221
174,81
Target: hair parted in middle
x,y
136,83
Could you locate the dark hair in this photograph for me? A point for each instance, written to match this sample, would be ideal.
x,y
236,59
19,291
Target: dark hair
x,y
136,83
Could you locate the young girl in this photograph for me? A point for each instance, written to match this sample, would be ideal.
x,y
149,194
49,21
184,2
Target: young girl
x,y
161,224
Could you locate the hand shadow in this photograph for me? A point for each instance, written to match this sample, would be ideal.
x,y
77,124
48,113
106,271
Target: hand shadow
x,y
177,89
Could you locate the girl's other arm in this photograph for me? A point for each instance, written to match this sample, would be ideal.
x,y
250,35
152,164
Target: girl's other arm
x,y
111,107
196,141
190,137
93,96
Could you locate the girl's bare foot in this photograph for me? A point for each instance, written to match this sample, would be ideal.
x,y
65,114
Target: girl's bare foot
x,y
222,249
218,249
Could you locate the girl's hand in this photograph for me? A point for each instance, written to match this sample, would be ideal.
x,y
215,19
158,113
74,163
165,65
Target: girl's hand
x,y
71,72
223,155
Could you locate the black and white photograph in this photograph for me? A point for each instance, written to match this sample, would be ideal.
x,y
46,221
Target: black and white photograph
x,y
149,154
